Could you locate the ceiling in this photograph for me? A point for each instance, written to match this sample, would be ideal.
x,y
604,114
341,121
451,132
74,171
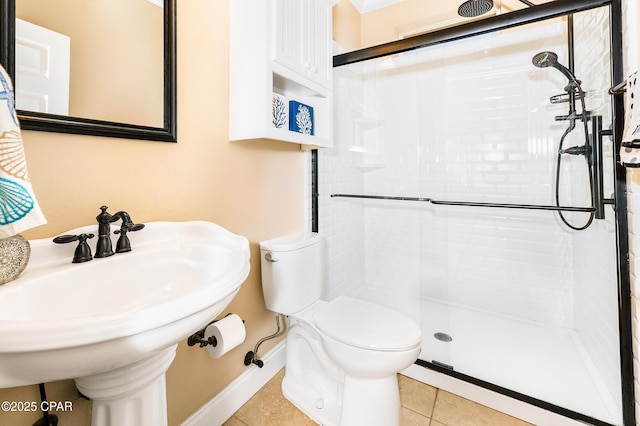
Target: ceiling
x,y
365,6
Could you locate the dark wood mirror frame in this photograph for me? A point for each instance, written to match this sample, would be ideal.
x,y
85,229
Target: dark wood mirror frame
x,y
65,124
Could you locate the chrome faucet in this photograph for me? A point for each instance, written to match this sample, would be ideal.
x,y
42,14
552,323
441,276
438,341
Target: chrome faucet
x,y
104,247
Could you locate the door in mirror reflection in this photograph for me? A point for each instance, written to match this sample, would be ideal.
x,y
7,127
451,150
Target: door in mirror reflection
x,y
42,69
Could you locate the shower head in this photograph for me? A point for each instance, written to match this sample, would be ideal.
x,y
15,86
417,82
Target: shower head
x,y
550,59
544,59
473,8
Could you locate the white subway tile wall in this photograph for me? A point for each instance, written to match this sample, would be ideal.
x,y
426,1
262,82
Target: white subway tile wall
x,y
595,256
342,224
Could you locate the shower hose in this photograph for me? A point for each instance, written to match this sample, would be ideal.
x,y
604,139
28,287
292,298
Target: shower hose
x,y
587,156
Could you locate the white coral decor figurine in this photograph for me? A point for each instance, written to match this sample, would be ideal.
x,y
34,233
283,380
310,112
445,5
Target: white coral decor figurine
x,y
303,120
279,112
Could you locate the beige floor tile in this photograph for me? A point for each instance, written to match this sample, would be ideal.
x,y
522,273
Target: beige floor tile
x,y
233,421
268,407
417,396
453,410
411,418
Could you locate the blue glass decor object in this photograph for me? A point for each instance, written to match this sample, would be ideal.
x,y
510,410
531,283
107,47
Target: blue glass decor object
x,y
279,111
301,118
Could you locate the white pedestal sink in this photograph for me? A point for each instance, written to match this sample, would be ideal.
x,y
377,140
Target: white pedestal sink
x,y
113,323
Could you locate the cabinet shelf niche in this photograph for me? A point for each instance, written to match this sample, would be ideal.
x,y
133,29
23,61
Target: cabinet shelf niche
x,y
256,74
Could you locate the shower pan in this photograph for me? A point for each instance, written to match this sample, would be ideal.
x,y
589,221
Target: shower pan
x,y
464,191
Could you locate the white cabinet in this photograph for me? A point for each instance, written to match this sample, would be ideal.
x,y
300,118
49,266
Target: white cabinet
x,y
302,40
280,47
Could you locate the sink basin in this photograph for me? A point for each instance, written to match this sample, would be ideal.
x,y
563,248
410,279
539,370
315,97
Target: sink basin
x,y
113,316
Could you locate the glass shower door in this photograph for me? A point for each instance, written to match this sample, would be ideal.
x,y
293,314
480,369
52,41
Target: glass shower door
x,y
424,141
516,298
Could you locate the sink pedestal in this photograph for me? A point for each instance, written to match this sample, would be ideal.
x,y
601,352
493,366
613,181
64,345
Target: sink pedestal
x,y
133,395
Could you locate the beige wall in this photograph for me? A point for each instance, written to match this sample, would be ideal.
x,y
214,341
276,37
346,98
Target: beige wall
x,y
346,26
252,188
384,25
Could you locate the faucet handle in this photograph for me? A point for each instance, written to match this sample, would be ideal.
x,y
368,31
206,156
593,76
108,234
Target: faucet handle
x,y
83,251
124,245
129,228
63,239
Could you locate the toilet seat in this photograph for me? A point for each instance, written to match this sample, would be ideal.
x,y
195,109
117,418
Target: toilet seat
x,y
366,325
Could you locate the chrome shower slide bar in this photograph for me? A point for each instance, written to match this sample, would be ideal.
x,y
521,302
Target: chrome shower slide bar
x,y
470,204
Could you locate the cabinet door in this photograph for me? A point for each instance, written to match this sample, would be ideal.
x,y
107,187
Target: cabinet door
x,y
290,38
302,39
320,38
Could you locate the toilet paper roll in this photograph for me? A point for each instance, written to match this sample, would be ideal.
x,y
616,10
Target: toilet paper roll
x,y
229,333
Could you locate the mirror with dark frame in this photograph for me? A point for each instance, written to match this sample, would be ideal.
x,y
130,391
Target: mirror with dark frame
x,y
124,99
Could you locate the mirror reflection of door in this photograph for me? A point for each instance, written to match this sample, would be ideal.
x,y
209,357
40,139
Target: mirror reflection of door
x,y
42,69
116,59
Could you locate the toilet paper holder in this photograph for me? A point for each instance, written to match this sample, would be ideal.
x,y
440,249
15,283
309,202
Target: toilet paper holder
x,y
197,338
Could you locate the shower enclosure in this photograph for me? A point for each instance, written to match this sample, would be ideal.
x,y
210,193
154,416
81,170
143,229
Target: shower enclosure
x,y
471,186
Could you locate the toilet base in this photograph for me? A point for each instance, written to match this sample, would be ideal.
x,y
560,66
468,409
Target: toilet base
x,y
370,401
312,382
315,384
323,411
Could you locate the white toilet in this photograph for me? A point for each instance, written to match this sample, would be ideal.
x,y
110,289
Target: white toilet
x,y
342,355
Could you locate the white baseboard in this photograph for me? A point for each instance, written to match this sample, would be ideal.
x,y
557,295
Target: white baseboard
x,y
220,409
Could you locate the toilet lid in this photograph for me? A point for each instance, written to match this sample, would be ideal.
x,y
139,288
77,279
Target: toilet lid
x,y
366,325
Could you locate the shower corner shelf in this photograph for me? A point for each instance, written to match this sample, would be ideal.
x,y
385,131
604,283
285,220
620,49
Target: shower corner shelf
x,y
369,167
360,149
261,63
367,122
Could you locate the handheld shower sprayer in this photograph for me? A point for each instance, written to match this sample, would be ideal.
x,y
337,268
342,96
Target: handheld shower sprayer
x,y
573,89
550,59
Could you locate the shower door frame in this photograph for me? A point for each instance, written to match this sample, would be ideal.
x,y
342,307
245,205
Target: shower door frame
x,y
500,22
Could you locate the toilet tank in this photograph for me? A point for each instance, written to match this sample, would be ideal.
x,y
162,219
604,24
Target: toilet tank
x,y
291,272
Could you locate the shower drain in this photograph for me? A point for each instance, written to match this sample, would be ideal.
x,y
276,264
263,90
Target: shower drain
x,y
443,337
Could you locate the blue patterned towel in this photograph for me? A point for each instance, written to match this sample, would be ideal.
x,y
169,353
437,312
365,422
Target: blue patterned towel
x,y
19,209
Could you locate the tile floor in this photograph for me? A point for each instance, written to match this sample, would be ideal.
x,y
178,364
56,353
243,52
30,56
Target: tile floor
x,y
422,405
